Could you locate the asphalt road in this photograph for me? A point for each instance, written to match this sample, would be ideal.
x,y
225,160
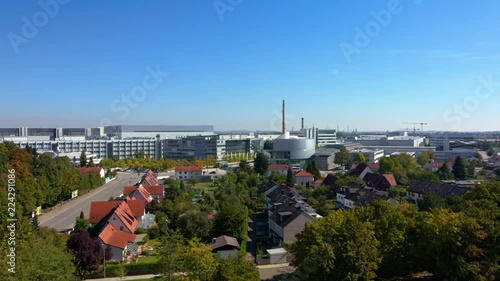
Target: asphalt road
x,y
63,217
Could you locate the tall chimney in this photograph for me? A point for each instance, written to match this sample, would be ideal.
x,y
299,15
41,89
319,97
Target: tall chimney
x,y
302,123
283,129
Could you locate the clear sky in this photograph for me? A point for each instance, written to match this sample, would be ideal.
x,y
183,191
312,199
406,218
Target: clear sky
x,y
370,65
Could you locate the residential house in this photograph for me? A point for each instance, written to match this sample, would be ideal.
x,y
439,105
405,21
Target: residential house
x,y
117,241
303,178
138,192
353,195
267,188
157,192
360,170
225,246
316,183
330,180
98,170
119,215
287,214
379,182
435,166
186,172
149,179
278,168
418,189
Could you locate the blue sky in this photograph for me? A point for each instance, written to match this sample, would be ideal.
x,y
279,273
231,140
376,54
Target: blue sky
x,y
427,62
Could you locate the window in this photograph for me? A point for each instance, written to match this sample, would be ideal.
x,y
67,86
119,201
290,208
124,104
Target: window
x,y
121,227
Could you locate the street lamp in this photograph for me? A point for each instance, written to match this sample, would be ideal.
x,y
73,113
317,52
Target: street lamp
x,y
104,246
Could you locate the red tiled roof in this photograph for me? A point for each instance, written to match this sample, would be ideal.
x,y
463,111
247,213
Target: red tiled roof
x,y
390,178
188,169
279,167
126,216
318,181
144,193
374,166
136,206
129,189
149,178
89,170
155,189
116,238
98,210
303,174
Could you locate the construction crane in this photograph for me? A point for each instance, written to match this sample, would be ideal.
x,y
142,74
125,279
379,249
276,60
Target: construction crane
x,y
418,123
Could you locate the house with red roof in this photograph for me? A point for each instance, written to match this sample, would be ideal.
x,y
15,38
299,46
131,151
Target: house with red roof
x,y
117,213
278,168
117,241
303,177
435,166
88,170
316,183
149,179
138,193
157,192
186,172
379,182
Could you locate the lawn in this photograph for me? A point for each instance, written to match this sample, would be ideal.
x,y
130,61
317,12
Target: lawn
x,y
148,259
208,187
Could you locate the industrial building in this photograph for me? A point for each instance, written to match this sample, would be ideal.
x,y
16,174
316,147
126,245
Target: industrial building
x,y
287,149
152,131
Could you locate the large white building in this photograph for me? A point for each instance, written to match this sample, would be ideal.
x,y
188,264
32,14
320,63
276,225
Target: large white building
x,y
292,150
383,140
152,131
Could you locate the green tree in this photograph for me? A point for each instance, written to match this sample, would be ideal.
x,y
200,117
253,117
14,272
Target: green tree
x,y
198,261
83,159
359,157
194,224
244,167
290,179
337,247
471,169
231,218
261,163
170,253
237,269
312,168
423,158
192,181
81,223
449,244
40,255
391,228
459,168
342,157
431,201
444,172
91,162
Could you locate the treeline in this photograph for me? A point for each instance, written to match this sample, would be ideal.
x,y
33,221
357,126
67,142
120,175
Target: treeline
x,y
155,164
40,180
454,241
40,253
